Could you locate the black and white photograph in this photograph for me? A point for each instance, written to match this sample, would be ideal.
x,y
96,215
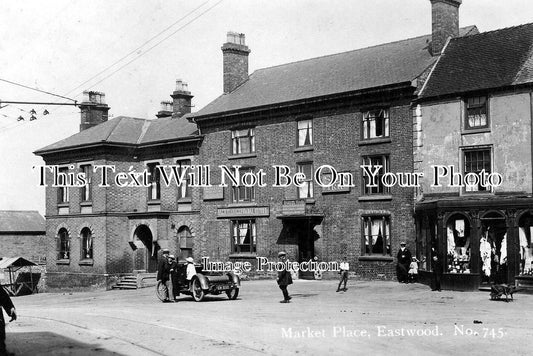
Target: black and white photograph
x,y
304,177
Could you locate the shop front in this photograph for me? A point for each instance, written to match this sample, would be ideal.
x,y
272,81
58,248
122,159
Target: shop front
x,y
481,241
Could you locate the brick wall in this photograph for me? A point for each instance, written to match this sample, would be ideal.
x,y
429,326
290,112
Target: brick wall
x,y
28,246
336,135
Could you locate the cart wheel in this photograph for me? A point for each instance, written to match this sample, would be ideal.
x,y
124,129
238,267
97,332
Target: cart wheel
x,y
161,291
233,293
197,291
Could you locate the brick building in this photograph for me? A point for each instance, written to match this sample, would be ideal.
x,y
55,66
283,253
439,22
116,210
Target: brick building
x,y
474,115
102,230
22,233
343,111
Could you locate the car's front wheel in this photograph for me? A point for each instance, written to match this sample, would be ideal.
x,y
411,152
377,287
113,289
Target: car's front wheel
x,y
197,291
161,291
233,293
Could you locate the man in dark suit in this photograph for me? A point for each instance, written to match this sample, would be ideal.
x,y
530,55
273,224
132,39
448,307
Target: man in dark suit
x,y
8,306
436,266
284,278
404,258
163,273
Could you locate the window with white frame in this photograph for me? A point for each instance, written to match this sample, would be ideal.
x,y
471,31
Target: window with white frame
x,y
376,235
373,162
376,124
184,191
242,193
62,192
154,190
243,236
305,190
476,161
86,244
476,113
86,190
63,244
305,133
243,141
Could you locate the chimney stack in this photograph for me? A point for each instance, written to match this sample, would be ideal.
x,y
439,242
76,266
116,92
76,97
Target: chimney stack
x,y
93,108
445,23
166,109
181,99
235,57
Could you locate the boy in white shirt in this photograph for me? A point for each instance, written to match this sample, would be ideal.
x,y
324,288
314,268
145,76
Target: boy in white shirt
x,y
344,268
191,270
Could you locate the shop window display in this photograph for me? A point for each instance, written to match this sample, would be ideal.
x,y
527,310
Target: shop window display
x,y
525,232
458,242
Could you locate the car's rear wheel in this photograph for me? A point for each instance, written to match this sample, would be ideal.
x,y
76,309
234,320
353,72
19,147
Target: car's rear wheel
x,y
233,293
161,291
197,291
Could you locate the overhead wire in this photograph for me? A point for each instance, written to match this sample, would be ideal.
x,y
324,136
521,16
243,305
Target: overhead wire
x,y
138,48
158,43
124,57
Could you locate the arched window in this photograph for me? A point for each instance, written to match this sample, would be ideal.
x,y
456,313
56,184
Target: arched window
x,y
185,241
86,244
63,245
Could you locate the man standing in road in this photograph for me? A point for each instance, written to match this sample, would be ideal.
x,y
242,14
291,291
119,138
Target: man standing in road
x,y
344,268
8,306
404,260
163,273
284,278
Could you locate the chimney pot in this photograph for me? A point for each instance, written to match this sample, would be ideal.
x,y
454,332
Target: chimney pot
x,y
93,109
182,99
445,23
235,57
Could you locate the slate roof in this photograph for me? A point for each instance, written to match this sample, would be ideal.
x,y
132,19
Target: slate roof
x,y
382,65
487,60
128,131
18,221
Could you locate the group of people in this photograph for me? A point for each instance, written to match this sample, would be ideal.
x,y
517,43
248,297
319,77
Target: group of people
x,y
167,274
407,267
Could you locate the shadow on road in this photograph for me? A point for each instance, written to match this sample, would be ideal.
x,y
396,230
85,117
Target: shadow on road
x,y
48,343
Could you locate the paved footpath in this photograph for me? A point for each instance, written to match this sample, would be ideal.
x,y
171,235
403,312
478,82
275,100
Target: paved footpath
x,y
370,318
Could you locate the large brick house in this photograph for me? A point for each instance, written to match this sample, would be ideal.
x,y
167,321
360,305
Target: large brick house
x,y
96,232
475,114
342,110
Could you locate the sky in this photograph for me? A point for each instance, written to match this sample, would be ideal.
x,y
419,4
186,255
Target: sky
x,y
134,50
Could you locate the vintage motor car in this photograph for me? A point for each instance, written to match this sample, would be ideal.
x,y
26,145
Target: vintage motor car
x,y
203,283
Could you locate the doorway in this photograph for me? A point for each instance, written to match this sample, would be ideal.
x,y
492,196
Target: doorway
x,y
145,256
493,250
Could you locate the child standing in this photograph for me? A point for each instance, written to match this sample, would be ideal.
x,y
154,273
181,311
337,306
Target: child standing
x,y
413,270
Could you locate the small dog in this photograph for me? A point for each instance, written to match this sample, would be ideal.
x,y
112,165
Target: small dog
x,y
497,290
